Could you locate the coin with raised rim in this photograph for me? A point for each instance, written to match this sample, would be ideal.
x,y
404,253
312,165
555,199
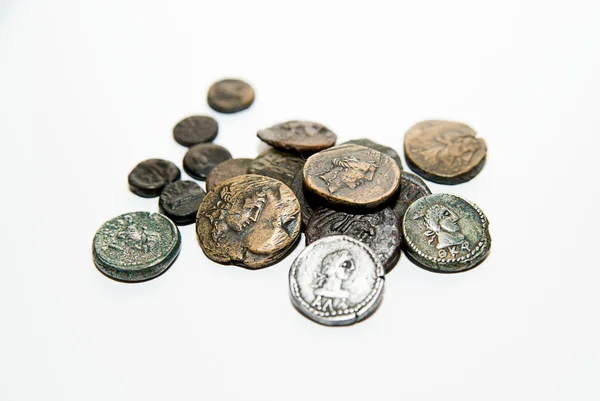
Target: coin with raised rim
x,y
299,136
150,177
230,96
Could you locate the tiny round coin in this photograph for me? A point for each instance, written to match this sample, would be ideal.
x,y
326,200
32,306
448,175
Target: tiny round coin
x,y
446,233
299,136
274,163
336,281
352,175
195,129
445,152
307,201
412,188
226,170
149,177
378,230
200,159
136,246
381,148
230,96
180,200
250,220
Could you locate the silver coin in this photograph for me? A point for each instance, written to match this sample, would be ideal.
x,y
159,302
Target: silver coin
x,y
446,233
136,246
336,281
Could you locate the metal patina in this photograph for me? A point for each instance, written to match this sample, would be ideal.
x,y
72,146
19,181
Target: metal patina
x,y
195,129
200,159
150,177
274,163
226,170
299,136
230,96
180,200
378,147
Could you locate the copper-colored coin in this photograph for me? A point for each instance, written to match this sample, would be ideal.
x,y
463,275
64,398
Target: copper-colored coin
x,y
250,220
273,163
381,148
299,136
230,96
352,175
445,152
226,170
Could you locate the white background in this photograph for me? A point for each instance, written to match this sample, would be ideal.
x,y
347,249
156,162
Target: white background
x,y
89,89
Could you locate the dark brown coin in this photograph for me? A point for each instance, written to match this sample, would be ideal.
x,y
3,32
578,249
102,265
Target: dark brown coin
x,y
445,152
273,163
381,148
149,177
226,170
200,159
308,202
299,136
411,188
352,176
195,129
230,96
180,200
249,220
378,230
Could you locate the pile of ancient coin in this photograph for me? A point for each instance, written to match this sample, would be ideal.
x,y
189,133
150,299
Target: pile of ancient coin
x,y
354,203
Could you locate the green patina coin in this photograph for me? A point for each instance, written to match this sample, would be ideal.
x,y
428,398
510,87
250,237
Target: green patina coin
x,y
136,246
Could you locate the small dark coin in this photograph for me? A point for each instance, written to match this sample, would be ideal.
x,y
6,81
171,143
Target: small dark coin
x,y
195,129
149,178
379,231
381,148
299,136
446,233
308,202
412,188
202,158
445,152
179,201
136,246
352,176
250,220
273,163
226,170
336,281
230,96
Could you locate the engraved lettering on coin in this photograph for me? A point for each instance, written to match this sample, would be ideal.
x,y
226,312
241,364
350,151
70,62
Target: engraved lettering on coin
x,y
273,163
226,170
230,96
200,159
381,148
180,200
149,177
299,136
195,129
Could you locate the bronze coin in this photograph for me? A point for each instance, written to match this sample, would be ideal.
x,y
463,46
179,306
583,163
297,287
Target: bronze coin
x,y
179,201
226,170
378,230
352,176
249,220
230,96
195,129
149,177
412,188
202,158
308,201
445,152
299,136
273,163
381,148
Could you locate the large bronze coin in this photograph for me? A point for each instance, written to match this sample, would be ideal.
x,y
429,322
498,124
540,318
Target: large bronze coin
x,y
299,136
352,175
226,170
273,163
150,177
250,220
195,129
445,152
200,159
230,96
411,188
381,148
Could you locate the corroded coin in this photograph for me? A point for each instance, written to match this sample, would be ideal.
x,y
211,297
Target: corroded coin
x,y
308,202
411,188
250,220
230,96
195,129
273,163
386,150
180,200
149,177
336,281
299,136
446,233
200,159
136,246
352,175
445,152
226,170
379,231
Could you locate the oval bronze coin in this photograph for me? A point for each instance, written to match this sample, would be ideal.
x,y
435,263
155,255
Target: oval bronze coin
x,y
299,136
230,96
226,170
274,163
194,130
202,158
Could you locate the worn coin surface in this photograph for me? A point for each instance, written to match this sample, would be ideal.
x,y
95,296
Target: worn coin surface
x,y
200,159
308,202
230,96
149,178
226,170
336,281
381,148
180,200
445,152
136,246
249,220
195,129
274,163
412,188
378,230
352,175
299,136
446,233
